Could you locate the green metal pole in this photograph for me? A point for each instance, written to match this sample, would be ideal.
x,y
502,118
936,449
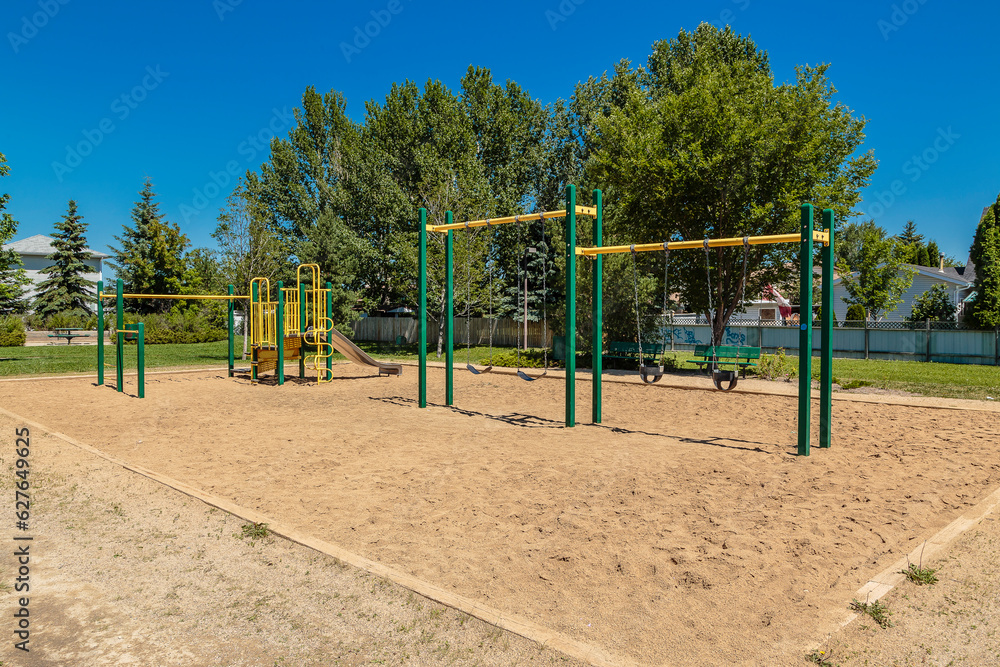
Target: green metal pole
x,y
232,328
119,325
826,355
329,336
254,293
570,305
140,359
422,342
302,330
100,334
279,334
449,315
597,316
805,328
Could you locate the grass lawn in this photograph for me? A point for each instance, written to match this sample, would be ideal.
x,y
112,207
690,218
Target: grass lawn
x,y
926,379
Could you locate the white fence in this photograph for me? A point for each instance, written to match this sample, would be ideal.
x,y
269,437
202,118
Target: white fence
x,y
506,332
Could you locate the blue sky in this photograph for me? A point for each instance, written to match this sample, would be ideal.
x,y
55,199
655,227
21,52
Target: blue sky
x,y
97,96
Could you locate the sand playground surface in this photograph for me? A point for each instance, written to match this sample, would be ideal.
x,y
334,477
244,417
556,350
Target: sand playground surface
x,y
681,531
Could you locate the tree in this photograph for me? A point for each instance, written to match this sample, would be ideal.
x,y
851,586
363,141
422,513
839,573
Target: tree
x,y
909,235
985,254
12,275
879,279
934,304
933,253
848,244
66,288
706,145
855,314
151,257
923,257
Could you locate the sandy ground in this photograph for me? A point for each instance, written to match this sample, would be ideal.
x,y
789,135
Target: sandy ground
x,y
681,531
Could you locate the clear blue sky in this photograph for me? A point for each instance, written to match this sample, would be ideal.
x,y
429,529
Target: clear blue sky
x,y
180,91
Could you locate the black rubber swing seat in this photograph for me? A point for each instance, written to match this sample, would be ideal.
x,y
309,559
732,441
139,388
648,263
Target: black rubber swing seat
x,y
528,378
475,371
650,374
727,378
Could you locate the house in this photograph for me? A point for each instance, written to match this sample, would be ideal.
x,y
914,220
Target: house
x,y
34,250
958,281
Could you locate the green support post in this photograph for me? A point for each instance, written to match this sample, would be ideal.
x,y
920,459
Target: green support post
x,y
805,328
254,292
119,325
826,355
329,335
597,316
570,306
302,330
232,327
100,334
140,359
279,334
422,341
449,315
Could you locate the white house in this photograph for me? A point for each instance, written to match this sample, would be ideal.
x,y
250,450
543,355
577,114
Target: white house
x,y
33,251
958,280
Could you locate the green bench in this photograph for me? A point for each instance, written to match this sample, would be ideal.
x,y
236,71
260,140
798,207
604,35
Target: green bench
x,y
725,355
629,350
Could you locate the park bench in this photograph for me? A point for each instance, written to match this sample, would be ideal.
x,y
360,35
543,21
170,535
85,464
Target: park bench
x,y
629,350
69,334
725,355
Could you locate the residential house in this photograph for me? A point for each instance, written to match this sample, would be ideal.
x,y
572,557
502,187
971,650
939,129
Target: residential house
x,y
34,250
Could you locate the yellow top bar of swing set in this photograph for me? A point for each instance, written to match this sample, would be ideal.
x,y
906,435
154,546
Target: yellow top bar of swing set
x,y
820,237
527,217
179,297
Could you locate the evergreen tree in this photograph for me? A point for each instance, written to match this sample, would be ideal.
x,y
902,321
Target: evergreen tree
x,y
12,276
985,254
151,257
909,235
923,257
933,253
66,288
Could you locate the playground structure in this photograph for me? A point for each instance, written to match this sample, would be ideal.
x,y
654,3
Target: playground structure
x,y
301,314
806,238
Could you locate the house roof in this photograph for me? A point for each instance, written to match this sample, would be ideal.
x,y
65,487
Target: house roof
x,y
963,275
39,244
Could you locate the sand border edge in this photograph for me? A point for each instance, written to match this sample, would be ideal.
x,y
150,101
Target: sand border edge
x,y
514,623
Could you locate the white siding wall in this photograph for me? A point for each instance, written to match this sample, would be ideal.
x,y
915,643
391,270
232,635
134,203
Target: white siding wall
x,y
33,265
921,283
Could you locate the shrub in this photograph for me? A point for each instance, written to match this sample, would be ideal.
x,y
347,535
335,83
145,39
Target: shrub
x,y
774,366
529,359
12,331
855,315
176,327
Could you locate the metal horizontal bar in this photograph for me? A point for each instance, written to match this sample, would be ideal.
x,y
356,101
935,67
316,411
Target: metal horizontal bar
x,y
823,237
179,297
527,217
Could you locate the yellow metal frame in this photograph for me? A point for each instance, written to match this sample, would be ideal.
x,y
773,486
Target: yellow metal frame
x,y
318,318
291,314
263,315
820,237
527,217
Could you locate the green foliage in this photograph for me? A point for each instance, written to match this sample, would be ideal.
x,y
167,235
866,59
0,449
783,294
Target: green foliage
x,y
67,319
151,258
775,366
66,288
934,304
933,254
821,658
921,576
697,145
254,531
879,279
909,236
985,254
530,358
878,611
12,275
855,315
12,333
180,325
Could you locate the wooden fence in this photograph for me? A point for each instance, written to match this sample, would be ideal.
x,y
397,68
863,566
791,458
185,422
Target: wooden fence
x,y
506,332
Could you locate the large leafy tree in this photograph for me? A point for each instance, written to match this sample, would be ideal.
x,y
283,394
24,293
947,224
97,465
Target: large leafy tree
x,y
879,278
12,275
66,288
934,304
705,144
985,254
151,256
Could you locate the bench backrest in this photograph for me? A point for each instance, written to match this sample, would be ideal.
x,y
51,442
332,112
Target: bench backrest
x,y
727,351
621,347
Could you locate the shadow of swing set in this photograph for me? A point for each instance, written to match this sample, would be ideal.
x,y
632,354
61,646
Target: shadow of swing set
x,y
723,378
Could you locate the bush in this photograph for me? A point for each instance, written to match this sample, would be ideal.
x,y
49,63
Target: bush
x,y
187,326
67,319
774,366
529,359
12,331
855,315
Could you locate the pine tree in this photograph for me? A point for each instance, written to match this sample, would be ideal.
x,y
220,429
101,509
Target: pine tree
x,y
66,288
933,253
985,254
923,257
909,235
151,257
12,276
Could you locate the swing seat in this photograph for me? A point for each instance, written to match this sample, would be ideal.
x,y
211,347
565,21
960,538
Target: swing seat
x,y
528,378
721,377
475,371
650,374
